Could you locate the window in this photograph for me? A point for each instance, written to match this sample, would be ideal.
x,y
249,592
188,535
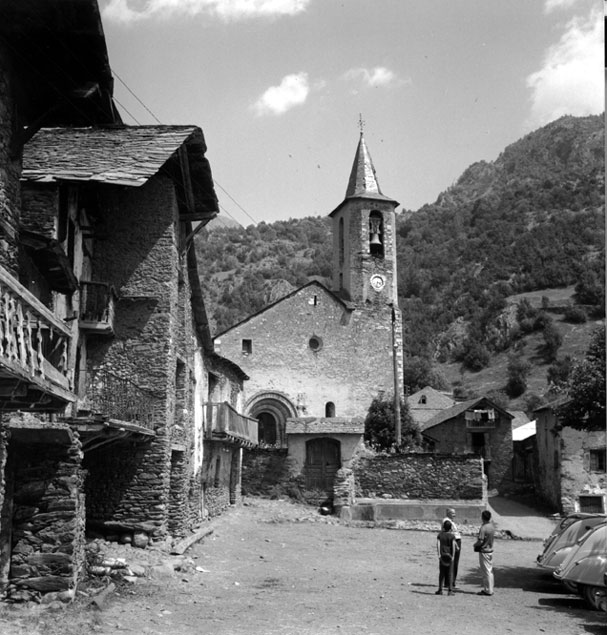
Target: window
x,y
341,241
422,399
597,460
329,409
315,343
247,347
591,504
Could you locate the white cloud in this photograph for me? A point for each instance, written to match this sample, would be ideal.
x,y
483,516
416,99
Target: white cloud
x,y
556,5
570,81
292,91
374,77
127,11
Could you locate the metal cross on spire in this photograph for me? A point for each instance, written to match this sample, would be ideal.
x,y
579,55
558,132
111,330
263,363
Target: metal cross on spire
x,y
361,123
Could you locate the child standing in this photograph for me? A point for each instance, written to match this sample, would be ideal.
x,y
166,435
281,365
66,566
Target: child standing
x,y
447,546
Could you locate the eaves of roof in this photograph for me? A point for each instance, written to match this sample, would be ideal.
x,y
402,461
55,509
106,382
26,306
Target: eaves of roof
x,y
451,413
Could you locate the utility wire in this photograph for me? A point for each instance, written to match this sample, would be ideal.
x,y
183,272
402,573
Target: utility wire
x,y
233,200
135,96
159,122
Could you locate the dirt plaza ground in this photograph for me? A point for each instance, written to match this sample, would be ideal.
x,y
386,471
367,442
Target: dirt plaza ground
x,y
273,567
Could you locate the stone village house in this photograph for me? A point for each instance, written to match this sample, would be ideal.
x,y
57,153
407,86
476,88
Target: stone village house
x,y
571,470
478,427
317,357
117,415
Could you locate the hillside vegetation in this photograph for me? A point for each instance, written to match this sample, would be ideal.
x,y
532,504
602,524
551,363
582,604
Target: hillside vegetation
x,y
506,266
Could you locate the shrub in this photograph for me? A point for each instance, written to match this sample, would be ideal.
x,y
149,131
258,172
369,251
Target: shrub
x,y
575,315
518,370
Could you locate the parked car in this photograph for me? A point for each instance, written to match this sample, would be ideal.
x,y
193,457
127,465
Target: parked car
x,y
559,545
586,567
566,521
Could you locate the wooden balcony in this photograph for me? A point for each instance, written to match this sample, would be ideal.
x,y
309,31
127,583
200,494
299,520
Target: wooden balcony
x,y
117,398
224,423
97,308
113,408
33,352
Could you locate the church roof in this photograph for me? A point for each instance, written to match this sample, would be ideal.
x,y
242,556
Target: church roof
x,y
363,181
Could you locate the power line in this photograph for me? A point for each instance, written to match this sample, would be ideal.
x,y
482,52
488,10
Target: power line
x,y
233,200
126,111
160,123
135,96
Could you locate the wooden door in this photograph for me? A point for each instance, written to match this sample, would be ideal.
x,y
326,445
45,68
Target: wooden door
x,y
323,459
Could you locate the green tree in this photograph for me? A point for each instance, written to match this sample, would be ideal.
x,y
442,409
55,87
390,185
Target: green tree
x,y
420,373
379,426
585,409
518,371
558,374
552,341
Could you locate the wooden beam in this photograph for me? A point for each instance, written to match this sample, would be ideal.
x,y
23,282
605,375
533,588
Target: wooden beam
x,y
186,180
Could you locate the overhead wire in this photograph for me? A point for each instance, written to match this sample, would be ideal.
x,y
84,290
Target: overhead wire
x,y
160,123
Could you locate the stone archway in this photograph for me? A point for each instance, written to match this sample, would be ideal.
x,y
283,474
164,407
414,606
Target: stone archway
x,y
272,409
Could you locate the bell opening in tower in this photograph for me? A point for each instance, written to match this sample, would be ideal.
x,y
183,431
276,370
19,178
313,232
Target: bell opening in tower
x,y
376,234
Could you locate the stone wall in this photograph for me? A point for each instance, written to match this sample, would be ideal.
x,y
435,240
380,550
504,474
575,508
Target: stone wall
x,y
10,169
140,258
120,490
48,519
420,476
263,470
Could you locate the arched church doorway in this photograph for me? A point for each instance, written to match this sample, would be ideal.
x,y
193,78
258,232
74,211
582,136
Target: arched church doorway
x,y
323,459
271,409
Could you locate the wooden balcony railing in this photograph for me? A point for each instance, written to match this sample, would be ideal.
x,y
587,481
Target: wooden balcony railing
x,y
33,351
224,423
97,307
119,399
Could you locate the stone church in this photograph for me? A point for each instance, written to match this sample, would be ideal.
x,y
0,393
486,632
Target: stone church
x,y
317,357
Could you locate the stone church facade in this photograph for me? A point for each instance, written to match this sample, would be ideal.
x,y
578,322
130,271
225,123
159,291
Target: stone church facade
x,y
317,357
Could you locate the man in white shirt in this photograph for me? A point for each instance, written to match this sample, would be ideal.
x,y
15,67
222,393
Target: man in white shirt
x,y
450,516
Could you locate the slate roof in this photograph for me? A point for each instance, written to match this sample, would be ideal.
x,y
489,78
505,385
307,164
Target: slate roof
x,y
121,155
436,402
451,413
363,181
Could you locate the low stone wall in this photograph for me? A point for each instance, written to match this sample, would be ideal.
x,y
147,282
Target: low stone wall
x,y
419,476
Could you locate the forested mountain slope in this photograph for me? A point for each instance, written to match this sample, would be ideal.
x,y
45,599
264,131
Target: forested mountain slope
x,y
532,220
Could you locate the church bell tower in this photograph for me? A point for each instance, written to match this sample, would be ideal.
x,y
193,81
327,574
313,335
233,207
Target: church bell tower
x,y
364,238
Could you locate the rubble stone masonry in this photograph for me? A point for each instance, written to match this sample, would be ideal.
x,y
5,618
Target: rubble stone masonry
x,y
139,257
419,476
49,518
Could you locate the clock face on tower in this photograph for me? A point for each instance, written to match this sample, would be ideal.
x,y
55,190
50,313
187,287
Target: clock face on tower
x,y
378,282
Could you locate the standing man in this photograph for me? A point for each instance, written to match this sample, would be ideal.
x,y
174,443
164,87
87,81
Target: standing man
x,y
484,546
450,516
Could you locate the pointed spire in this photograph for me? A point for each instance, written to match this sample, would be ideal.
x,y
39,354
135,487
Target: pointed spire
x,y
363,180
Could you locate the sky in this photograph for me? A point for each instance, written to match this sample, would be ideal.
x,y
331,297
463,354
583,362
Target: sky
x,y
281,88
